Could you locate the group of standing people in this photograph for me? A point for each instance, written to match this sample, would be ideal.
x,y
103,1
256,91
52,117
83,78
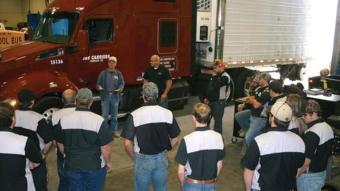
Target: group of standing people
x,y
288,144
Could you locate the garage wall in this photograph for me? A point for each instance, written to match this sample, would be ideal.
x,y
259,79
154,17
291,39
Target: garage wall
x,y
15,11
12,11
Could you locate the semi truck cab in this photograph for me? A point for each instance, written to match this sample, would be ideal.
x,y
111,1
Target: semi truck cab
x,y
74,39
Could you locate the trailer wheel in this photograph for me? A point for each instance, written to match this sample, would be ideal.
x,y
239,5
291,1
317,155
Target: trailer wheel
x,y
47,106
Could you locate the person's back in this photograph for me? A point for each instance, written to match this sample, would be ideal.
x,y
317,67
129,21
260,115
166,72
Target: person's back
x,y
273,158
152,123
83,137
205,148
149,132
14,151
281,154
80,139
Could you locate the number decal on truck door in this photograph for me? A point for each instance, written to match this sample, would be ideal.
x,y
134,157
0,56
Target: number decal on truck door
x,y
56,61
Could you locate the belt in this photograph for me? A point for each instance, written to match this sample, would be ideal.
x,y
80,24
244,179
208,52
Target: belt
x,y
192,181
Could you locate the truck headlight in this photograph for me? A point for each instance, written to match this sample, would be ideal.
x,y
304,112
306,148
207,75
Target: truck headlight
x,y
12,102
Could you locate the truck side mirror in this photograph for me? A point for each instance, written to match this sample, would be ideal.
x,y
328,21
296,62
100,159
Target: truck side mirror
x,y
83,42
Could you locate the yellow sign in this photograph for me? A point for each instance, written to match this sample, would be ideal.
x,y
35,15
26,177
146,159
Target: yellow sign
x,y
9,37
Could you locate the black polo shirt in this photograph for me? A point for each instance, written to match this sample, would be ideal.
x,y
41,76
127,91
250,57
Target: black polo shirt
x,y
199,152
274,157
83,133
150,128
217,87
14,149
158,76
318,139
262,95
56,116
33,125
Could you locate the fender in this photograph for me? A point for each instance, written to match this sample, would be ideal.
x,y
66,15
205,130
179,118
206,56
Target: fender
x,y
41,82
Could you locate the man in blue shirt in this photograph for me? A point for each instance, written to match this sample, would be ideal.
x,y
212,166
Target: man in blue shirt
x,y
110,83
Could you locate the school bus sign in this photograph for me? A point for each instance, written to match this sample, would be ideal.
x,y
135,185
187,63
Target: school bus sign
x,y
8,38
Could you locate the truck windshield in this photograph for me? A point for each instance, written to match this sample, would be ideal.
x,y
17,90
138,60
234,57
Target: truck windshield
x,y
56,27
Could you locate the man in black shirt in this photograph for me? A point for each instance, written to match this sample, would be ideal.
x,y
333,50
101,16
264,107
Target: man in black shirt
x,y
250,120
69,99
14,151
85,138
200,165
318,140
160,75
215,93
272,159
150,131
33,125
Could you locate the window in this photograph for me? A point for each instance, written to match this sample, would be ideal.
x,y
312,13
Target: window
x,y
167,33
56,28
100,30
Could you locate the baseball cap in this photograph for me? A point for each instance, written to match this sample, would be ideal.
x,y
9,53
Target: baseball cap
x,y
84,94
219,63
113,58
282,111
26,95
276,86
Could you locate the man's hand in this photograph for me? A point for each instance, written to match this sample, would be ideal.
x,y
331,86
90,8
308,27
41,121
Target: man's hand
x,y
163,97
32,165
108,167
240,107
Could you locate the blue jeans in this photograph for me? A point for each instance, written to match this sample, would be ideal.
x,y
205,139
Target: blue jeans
x,y
86,180
63,182
199,187
151,168
311,181
217,108
110,110
253,125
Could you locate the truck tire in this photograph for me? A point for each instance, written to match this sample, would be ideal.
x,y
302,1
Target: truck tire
x,y
48,105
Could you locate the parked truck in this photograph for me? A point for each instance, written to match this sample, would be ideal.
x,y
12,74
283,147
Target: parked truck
x,y
75,38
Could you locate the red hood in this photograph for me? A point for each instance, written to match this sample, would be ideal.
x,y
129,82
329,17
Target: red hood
x,y
27,49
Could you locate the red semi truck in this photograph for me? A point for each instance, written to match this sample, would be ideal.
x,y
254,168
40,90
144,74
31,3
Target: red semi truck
x,y
74,39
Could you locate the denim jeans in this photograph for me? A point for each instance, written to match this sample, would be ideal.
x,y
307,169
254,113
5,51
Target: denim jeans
x,y
150,168
199,187
253,125
110,110
86,180
311,181
63,182
217,108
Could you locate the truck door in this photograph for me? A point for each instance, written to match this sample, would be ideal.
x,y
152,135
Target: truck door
x,y
101,45
167,45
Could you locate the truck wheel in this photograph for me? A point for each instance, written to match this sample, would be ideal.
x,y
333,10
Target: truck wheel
x,y
47,106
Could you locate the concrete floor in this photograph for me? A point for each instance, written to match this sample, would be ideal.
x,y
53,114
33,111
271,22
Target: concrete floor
x,y
121,177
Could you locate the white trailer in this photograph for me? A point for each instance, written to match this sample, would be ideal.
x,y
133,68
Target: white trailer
x,y
253,35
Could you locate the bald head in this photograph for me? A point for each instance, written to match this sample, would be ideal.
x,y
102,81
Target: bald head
x,y
154,61
69,96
